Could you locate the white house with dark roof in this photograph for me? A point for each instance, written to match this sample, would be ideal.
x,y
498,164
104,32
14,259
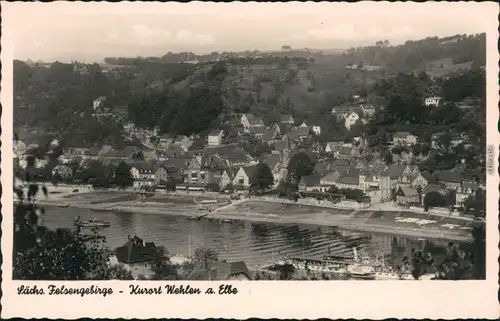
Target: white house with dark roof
x,y
351,119
432,101
98,102
215,138
249,121
243,177
316,130
404,139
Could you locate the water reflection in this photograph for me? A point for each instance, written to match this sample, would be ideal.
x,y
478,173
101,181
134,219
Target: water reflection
x,y
254,243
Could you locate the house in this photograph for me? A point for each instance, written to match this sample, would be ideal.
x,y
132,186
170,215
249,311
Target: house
x,y
219,271
351,119
258,132
435,139
368,110
270,134
19,147
342,112
333,147
331,179
138,256
316,148
395,172
385,187
404,139
98,102
165,140
143,174
349,180
452,180
465,191
298,134
193,170
161,175
243,177
228,177
345,153
417,181
304,125
276,129
215,138
239,272
274,161
316,130
432,101
311,183
182,141
238,157
249,121
287,119
63,171
407,196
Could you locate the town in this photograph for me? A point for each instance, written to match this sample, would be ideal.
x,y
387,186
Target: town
x,y
257,127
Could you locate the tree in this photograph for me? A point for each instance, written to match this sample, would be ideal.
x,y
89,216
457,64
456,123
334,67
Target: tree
x,y
163,269
61,254
119,272
202,254
263,178
300,165
123,177
170,185
434,199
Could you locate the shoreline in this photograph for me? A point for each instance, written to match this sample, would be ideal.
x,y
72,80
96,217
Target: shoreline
x,y
340,221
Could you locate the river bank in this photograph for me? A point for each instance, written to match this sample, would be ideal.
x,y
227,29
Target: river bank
x,y
347,220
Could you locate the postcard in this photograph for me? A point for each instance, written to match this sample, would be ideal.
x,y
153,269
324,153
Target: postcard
x,y
239,160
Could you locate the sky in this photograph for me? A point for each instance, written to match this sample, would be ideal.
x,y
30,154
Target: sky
x,y
91,31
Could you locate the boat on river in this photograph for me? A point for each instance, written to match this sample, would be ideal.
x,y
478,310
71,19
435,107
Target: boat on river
x,y
93,223
312,264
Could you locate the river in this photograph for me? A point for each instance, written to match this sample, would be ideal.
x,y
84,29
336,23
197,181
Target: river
x,y
254,243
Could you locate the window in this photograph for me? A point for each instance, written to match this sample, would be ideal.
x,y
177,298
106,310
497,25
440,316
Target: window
x,y
241,181
202,175
194,174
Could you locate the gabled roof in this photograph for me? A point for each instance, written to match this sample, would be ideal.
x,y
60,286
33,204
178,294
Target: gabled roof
x,y
448,176
433,188
136,250
215,132
239,268
401,134
231,171
269,134
219,270
175,163
349,179
407,191
395,170
144,166
331,177
250,171
286,118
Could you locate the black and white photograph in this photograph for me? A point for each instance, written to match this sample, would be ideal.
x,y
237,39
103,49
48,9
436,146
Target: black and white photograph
x,y
249,145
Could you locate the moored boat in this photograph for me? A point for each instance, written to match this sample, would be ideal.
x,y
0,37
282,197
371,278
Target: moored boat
x,y
361,271
94,223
